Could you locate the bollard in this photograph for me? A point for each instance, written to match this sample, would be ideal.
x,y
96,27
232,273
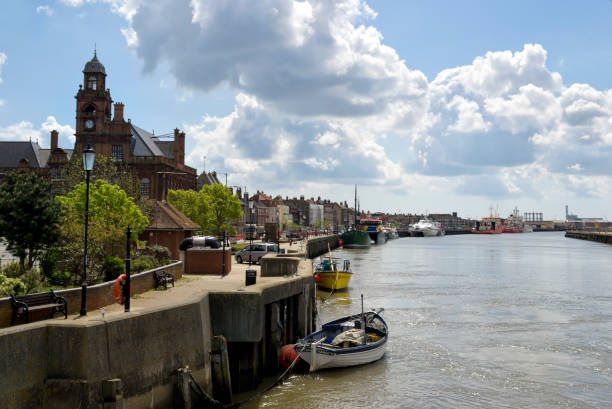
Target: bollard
x,y
251,277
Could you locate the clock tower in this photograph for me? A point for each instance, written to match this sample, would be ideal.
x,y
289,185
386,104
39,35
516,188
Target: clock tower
x,y
94,125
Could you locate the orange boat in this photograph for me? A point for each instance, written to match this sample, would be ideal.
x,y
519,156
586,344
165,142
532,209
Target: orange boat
x,y
488,225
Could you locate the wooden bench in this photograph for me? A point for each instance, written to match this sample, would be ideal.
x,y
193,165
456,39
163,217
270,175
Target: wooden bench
x,y
24,304
162,279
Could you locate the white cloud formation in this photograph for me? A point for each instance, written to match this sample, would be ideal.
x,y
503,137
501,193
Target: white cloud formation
x,y
25,130
44,10
320,96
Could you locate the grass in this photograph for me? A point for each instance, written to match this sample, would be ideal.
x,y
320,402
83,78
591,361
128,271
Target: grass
x,y
238,246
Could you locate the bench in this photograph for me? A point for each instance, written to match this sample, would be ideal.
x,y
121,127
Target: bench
x,y
162,279
24,304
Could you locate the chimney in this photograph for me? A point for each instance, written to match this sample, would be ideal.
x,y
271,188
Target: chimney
x,y
54,136
118,112
179,146
301,197
239,192
246,196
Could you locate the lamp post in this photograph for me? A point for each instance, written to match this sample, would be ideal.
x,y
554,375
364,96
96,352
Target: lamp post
x,y
89,156
251,232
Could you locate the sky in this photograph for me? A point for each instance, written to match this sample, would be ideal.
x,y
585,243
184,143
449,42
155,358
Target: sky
x,y
427,106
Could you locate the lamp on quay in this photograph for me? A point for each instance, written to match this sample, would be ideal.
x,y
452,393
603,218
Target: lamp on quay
x,y
251,231
89,157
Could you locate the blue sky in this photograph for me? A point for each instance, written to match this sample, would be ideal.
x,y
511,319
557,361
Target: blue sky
x,y
428,106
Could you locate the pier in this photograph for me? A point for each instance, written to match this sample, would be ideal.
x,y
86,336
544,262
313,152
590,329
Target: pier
x,y
601,237
227,334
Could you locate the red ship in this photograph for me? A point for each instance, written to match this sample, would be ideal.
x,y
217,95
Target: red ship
x,y
514,223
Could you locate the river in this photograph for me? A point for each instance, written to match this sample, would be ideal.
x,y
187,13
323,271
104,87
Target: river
x,y
475,321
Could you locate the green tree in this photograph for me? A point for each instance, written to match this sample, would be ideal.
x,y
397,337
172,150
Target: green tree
x,y
224,209
110,212
213,208
28,217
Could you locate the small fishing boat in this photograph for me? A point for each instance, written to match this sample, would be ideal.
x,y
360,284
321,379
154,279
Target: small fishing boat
x,y
333,273
342,343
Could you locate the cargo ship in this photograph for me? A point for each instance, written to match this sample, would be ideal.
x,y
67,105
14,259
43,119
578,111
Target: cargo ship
x,y
514,223
489,225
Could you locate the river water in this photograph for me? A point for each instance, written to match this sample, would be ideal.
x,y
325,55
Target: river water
x,y
475,321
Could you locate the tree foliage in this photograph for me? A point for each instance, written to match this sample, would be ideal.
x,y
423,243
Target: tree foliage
x,y
110,212
28,217
213,208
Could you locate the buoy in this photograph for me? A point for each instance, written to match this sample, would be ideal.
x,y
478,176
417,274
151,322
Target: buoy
x,y
288,355
340,243
119,289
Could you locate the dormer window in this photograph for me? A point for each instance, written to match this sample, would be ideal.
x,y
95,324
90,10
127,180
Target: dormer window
x,y
91,83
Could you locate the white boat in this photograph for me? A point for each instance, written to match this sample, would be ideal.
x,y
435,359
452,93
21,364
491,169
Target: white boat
x,y
342,343
426,228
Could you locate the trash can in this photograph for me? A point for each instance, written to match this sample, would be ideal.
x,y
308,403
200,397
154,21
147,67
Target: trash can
x,y
251,277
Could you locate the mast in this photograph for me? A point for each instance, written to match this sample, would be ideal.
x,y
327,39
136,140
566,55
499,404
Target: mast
x,y
355,212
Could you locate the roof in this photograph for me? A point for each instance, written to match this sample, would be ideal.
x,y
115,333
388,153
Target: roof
x,y
167,217
167,147
209,178
94,66
143,143
12,152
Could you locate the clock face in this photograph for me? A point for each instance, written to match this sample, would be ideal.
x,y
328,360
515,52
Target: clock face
x,y
89,124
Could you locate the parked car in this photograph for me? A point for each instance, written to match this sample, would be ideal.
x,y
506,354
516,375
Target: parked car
x,y
255,251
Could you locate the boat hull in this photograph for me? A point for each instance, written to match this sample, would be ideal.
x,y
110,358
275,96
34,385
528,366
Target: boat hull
x,y
330,280
326,359
355,239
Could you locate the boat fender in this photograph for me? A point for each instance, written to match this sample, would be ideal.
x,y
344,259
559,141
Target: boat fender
x,y
340,243
288,355
317,278
119,289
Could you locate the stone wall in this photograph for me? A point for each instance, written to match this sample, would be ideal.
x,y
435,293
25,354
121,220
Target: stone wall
x,y
57,364
99,295
318,246
601,237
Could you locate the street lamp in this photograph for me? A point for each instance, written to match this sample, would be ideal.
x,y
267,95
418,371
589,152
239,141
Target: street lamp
x,y
89,156
251,232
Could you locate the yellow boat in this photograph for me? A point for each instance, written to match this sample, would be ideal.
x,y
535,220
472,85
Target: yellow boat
x,y
333,274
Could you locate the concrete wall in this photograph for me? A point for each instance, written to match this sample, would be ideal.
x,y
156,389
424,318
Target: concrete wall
x,y
99,295
318,246
57,364
207,261
275,266
601,237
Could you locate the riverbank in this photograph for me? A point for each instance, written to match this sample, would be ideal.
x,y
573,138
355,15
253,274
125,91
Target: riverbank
x,y
60,363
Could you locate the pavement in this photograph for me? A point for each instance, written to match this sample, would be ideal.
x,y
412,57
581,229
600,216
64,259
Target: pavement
x,y
188,287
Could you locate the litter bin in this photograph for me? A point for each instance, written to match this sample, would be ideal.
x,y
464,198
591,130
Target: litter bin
x,y
251,277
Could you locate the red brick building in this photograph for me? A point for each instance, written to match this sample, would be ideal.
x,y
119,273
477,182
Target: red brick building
x,y
158,164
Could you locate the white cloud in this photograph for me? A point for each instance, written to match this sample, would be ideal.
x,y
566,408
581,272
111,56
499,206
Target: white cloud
x,y
320,96
3,59
44,10
24,131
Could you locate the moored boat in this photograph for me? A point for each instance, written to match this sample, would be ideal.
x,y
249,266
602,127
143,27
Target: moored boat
x,y
488,225
373,227
514,223
426,228
343,343
333,274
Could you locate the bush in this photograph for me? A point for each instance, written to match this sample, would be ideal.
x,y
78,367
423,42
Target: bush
x,y
143,263
10,286
48,262
112,267
60,278
161,254
31,279
12,270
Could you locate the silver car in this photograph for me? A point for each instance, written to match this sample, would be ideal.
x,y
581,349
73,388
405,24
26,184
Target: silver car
x,y
255,252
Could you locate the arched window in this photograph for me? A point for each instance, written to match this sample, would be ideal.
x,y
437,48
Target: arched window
x,y
89,108
91,83
145,188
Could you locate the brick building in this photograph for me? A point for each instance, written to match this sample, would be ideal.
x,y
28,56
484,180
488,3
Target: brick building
x,y
158,164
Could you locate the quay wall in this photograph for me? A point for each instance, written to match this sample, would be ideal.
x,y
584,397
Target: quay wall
x,y
69,363
601,237
99,295
57,364
318,246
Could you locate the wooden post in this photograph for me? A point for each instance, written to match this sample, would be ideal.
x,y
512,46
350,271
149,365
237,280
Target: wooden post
x,y
221,379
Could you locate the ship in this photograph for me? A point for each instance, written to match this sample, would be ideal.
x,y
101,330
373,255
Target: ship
x,y
488,225
373,227
356,237
426,228
514,223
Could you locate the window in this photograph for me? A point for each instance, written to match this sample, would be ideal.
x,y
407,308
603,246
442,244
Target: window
x,y
145,188
91,83
56,174
118,152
